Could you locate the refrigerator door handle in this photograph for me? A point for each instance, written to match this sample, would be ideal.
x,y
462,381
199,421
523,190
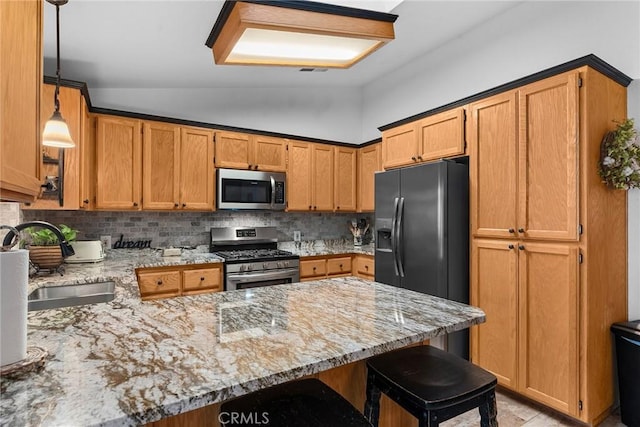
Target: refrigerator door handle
x,y
394,236
399,243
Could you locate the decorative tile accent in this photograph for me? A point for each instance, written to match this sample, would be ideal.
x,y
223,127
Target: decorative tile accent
x,y
192,228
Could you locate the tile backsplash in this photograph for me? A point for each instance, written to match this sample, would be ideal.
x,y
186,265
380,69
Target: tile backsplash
x,y
192,228
10,214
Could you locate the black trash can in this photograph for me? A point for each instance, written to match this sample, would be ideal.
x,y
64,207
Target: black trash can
x,y
628,355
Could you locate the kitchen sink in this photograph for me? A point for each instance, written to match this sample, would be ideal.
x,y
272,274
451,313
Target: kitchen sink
x,y
70,295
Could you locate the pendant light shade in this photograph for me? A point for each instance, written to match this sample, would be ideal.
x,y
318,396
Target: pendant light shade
x,y
56,132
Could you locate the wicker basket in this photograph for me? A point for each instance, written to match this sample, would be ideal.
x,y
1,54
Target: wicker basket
x,y
46,257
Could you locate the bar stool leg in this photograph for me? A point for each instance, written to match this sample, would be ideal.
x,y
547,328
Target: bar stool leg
x,y
489,411
372,405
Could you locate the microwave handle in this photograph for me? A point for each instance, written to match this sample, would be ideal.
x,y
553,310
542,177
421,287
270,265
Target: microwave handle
x,y
273,192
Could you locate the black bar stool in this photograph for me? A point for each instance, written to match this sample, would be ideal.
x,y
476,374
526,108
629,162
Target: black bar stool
x,y
431,384
302,403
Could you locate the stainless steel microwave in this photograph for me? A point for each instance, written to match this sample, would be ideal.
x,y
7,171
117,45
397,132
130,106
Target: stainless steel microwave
x,y
243,189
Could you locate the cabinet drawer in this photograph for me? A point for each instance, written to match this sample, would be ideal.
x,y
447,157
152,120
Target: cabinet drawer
x,y
316,267
165,283
204,279
339,265
365,266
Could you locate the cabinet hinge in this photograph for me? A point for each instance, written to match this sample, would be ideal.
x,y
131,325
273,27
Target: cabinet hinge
x,y
580,405
214,160
580,258
287,147
580,229
579,81
214,137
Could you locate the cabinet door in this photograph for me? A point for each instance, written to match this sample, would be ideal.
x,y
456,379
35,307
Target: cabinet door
x,y
159,284
197,184
494,288
70,108
441,135
118,163
313,269
548,324
269,154
161,161
20,81
364,266
400,146
299,177
345,179
548,152
368,164
322,177
494,166
338,267
233,150
202,280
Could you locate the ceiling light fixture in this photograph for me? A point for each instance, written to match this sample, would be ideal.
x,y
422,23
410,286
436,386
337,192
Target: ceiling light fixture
x,y
297,33
56,132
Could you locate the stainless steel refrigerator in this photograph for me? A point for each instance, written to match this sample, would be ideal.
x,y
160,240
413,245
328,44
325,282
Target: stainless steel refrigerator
x,y
422,233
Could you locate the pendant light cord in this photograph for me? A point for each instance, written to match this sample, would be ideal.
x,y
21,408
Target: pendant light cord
x,y
55,98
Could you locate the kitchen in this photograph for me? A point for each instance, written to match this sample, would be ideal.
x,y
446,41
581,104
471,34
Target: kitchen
x,y
305,108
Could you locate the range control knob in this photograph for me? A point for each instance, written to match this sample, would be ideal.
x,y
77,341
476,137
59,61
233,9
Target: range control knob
x,y
279,264
286,263
265,265
248,267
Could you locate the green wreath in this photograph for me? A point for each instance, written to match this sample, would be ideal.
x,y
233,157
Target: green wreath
x,y
620,157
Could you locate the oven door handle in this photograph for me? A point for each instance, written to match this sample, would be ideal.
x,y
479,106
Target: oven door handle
x,y
273,191
263,275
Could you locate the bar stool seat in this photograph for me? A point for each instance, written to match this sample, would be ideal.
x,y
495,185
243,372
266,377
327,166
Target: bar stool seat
x,y
431,384
303,403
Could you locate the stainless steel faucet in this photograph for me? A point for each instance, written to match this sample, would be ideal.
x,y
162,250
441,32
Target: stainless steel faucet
x,y
65,247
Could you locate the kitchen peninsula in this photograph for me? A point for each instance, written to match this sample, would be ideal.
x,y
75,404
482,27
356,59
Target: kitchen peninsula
x,y
133,362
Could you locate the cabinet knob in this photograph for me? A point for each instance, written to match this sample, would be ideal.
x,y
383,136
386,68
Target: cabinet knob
x,y
135,203
511,230
337,207
521,247
310,207
314,269
315,207
520,230
414,158
419,157
366,267
202,279
511,246
85,201
184,205
175,205
159,282
255,167
250,166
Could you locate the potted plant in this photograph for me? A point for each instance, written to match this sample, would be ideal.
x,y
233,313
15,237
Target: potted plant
x,y
44,246
620,157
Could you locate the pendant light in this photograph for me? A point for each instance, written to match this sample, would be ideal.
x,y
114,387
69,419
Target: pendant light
x,y
56,132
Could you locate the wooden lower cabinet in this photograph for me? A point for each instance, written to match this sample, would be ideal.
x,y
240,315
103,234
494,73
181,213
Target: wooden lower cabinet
x,y
364,267
529,292
171,281
313,268
326,266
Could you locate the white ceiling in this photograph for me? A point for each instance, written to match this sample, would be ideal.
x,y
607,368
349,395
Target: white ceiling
x,y
160,44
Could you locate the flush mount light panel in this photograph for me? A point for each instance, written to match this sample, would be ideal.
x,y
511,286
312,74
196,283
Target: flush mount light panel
x,y
297,33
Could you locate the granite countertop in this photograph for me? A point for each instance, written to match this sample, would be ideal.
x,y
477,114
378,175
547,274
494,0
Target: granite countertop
x,y
131,361
326,247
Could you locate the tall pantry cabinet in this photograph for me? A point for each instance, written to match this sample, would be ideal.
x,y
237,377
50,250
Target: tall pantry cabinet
x,y
548,253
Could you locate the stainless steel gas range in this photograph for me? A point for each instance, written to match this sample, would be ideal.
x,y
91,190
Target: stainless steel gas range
x,y
252,258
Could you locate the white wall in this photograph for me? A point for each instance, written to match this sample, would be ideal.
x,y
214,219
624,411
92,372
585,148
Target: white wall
x,y
633,110
525,39
325,113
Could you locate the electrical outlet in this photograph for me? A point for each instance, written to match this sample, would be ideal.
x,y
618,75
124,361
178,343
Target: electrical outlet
x,y
296,236
106,241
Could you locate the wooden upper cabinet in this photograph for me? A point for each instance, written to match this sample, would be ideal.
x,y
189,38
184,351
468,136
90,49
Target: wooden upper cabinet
x,y
20,82
254,152
88,161
548,324
345,194
233,150
368,163
493,166
161,159
548,158
71,109
197,184
441,135
118,163
299,190
322,177
400,146
494,288
269,154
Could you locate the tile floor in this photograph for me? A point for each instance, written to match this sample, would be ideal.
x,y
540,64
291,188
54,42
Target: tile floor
x,y
515,412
